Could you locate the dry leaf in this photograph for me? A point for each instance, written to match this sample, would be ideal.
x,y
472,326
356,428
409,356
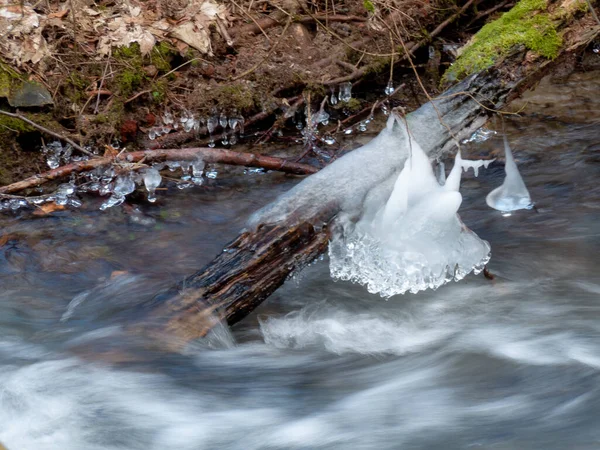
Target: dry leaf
x,y
194,36
110,151
4,239
58,15
48,208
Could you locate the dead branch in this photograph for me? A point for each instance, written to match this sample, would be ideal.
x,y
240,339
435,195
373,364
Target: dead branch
x,y
181,137
269,22
208,155
59,136
410,48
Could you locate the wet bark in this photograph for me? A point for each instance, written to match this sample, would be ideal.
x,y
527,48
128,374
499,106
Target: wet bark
x,y
255,264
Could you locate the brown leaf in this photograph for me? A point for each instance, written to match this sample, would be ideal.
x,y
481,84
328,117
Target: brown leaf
x,y
4,239
48,208
58,15
110,151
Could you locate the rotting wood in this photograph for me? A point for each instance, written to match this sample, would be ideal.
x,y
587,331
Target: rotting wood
x,y
255,264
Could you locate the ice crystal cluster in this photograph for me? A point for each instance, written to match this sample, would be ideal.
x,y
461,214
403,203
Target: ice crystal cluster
x,y
415,240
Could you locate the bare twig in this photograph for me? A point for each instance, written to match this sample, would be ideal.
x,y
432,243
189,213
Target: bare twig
x,y
252,19
593,11
208,155
49,132
409,50
223,32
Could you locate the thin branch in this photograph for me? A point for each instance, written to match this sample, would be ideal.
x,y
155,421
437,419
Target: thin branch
x,y
208,155
49,132
593,11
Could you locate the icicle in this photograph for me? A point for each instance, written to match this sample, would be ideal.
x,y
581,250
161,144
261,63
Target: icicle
x,y
211,125
389,89
512,195
152,180
345,92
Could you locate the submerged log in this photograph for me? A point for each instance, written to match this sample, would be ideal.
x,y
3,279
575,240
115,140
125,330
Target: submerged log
x,y
255,264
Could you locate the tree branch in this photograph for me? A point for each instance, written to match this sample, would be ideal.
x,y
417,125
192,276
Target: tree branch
x,y
208,155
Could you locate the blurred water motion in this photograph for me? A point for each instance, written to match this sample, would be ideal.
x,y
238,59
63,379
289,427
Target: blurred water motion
x,y
512,363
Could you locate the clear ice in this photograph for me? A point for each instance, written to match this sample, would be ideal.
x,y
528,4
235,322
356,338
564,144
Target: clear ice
x,y
415,240
512,194
345,93
152,180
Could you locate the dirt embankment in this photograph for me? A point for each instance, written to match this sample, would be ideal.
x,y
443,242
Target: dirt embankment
x,y
162,73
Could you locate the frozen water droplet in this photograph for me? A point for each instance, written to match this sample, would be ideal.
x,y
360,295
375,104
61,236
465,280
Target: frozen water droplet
x,y
124,185
329,139
197,172
53,162
223,120
173,165
348,131
212,123
362,127
75,203
151,134
152,180
167,118
389,89
333,100
212,174
114,200
345,92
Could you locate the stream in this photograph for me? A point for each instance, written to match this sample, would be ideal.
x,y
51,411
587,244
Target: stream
x,y
509,363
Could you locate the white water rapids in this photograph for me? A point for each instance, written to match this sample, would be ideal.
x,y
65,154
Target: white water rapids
x,y
512,363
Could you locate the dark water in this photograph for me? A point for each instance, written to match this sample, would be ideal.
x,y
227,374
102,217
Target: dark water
x,y
512,363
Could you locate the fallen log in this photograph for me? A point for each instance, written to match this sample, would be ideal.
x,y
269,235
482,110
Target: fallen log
x,y
285,237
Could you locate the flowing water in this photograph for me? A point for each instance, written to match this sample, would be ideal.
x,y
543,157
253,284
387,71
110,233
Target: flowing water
x,y
509,363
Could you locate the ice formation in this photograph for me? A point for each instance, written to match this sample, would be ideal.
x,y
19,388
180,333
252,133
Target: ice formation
x,y
415,240
512,194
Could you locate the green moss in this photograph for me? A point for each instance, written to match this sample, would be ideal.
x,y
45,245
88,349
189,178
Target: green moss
x,y
7,78
159,91
132,75
161,57
369,6
129,80
316,90
238,96
12,124
4,83
352,105
525,24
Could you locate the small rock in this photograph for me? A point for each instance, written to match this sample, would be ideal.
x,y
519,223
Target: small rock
x,y
28,94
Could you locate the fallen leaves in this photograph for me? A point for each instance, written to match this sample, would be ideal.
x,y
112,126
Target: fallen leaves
x,y
48,208
22,26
